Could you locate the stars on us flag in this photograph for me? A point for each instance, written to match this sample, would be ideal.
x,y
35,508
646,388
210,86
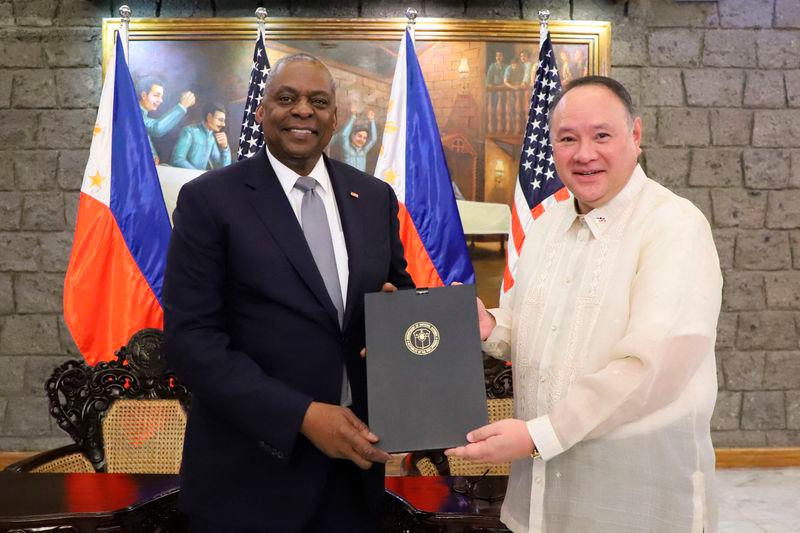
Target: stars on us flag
x,y
537,172
251,137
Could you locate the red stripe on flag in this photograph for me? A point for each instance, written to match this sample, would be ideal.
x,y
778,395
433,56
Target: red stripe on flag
x,y
420,266
508,279
106,296
517,232
537,211
562,194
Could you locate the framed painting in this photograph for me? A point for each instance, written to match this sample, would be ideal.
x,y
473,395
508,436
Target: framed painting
x,y
478,74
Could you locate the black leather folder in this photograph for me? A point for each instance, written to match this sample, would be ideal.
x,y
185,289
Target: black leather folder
x,y
425,380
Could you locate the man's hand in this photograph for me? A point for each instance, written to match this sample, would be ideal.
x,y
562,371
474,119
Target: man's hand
x,y
222,139
339,434
499,442
371,114
486,322
187,99
387,287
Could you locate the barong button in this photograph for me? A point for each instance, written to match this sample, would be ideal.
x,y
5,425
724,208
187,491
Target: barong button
x,y
553,327
542,379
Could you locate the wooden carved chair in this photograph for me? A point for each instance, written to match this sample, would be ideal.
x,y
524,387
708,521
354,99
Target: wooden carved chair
x,y
499,401
126,415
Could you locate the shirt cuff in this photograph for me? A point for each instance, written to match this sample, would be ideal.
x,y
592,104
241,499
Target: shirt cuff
x,y
544,437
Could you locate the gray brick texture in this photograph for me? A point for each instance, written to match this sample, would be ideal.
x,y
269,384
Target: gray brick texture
x,y
717,85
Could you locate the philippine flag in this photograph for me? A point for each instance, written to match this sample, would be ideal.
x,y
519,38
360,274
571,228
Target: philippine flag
x,y
116,269
412,162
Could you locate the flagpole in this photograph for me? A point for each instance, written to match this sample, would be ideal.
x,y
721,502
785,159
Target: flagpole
x,y
125,14
544,17
411,15
261,15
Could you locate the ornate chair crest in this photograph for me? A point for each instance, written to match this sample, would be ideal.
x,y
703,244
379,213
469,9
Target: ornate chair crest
x,y
81,396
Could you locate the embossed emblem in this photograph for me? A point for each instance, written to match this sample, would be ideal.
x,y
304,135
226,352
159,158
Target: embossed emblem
x,y
422,338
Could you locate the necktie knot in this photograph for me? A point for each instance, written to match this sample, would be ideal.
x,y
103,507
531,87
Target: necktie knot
x,y
305,183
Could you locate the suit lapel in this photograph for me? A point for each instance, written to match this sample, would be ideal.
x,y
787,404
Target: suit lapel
x,y
272,206
353,235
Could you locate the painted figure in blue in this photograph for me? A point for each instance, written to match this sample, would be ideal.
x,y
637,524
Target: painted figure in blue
x,y
524,59
514,78
204,145
494,80
357,141
151,95
494,75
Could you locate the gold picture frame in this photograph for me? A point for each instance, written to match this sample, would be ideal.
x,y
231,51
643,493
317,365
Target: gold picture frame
x,y
480,124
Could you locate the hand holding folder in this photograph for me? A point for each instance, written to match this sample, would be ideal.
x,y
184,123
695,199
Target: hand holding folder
x,y
339,434
499,442
425,380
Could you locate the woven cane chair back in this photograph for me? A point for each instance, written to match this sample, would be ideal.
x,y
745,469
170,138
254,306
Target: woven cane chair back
x,y
144,436
126,415
67,464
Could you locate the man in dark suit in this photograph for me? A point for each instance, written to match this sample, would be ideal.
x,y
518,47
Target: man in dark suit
x,y
264,320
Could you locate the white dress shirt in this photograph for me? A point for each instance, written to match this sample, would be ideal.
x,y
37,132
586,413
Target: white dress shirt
x,y
611,330
288,177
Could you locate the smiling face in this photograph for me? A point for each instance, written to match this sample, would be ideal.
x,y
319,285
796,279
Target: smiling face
x,y
359,138
152,100
298,113
595,144
215,121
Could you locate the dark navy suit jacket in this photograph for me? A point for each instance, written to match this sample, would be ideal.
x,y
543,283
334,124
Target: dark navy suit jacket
x,y
250,328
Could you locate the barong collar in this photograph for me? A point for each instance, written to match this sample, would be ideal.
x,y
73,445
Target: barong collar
x,y
600,219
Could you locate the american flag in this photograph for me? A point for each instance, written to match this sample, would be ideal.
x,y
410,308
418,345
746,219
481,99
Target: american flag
x,y
538,185
252,138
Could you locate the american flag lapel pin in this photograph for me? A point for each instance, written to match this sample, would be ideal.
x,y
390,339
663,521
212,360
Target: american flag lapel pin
x,y
354,194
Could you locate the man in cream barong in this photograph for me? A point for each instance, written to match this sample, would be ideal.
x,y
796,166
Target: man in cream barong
x,y
611,329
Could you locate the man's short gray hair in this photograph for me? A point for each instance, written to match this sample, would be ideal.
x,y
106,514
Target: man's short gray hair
x,y
302,56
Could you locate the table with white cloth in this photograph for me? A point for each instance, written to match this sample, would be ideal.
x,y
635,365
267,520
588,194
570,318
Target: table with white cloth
x,y
484,218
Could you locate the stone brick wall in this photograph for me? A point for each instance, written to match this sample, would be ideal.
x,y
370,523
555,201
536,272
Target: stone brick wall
x,y
717,84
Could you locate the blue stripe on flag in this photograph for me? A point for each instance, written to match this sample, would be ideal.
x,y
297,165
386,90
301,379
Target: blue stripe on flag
x,y
136,199
429,193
